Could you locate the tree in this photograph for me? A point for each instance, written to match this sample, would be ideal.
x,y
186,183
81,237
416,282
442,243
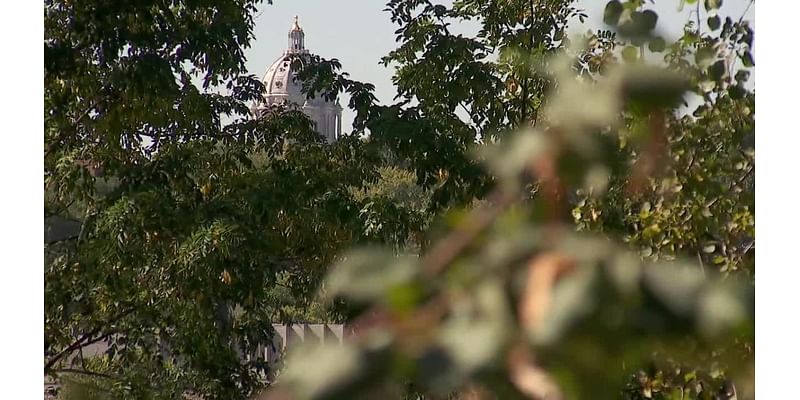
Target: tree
x,y
701,203
512,300
630,167
210,226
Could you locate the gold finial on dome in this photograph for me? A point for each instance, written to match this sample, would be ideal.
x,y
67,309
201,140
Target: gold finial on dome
x,y
296,25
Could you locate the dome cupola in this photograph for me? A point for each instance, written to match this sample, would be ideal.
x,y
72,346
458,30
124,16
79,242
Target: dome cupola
x,y
296,38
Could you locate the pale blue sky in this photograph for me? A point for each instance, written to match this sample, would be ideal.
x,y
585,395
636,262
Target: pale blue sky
x,y
359,33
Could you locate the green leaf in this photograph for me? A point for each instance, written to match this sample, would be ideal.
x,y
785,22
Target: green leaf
x,y
638,25
736,92
677,286
474,336
721,308
717,70
742,75
649,19
369,274
705,56
630,54
323,371
747,59
651,231
714,22
712,4
404,297
657,44
654,87
612,12
645,211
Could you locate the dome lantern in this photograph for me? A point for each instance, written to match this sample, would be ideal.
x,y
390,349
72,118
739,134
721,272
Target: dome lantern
x,y
296,38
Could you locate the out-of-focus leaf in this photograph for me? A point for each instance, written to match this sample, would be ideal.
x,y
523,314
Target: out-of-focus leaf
x,y
721,308
704,56
742,75
571,299
365,276
653,87
630,54
649,19
601,108
657,44
509,161
472,337
676,286
320,372
612,12
624,271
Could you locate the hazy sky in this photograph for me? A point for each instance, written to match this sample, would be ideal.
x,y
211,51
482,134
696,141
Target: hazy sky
x,y
359,33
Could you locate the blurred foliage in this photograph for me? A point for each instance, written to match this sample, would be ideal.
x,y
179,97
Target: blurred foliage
x,y
616,143
546,216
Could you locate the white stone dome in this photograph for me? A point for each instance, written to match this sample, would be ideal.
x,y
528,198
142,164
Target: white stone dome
x,y
281,88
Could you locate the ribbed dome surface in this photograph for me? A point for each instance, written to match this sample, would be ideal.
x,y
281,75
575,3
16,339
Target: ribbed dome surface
x,y
280,84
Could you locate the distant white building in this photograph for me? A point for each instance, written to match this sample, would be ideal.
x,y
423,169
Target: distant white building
x,y
282,89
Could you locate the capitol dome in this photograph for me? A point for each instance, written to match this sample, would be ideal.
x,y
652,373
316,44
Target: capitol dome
x,y
281,88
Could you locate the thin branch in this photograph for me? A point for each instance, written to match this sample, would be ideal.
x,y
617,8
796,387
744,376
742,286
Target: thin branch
x,y
85,340
697,14
84,372
69,349
83,359
63,135
746,174
463,107
691,161
702,265
746,10
65,239
451,246
59,209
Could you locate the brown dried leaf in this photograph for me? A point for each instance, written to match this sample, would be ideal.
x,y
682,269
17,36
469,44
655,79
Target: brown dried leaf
x,y
226,277
543,271
529,378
